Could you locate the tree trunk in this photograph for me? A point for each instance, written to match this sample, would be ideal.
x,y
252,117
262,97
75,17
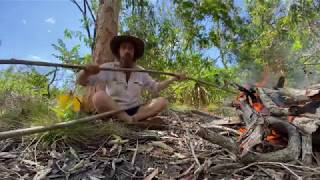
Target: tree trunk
x,y
106,28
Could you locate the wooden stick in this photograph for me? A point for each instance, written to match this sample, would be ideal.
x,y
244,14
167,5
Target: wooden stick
x,y
214,126
38,129
71,66
218,139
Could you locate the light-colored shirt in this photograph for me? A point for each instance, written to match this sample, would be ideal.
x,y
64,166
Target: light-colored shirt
x,y
126,94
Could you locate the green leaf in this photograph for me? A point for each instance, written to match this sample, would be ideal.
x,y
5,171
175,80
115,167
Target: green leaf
x,y
67,34
297,45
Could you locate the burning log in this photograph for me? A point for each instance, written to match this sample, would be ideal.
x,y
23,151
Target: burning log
x,y
291,115
291,152
291,96
271,105
254,126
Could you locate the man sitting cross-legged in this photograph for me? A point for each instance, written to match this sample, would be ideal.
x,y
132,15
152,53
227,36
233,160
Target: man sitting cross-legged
x,y
123,89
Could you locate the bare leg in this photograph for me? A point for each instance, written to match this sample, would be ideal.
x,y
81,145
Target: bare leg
x,y
151,109
103,103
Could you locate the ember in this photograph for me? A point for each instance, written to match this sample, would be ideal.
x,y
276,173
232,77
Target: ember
x,y
257,106
242,130
272,136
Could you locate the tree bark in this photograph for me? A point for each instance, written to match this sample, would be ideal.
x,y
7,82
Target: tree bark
x,y
106,28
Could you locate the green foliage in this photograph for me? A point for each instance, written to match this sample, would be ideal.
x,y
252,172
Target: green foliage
x,y
168,49
71,56
192,93
279,34
23,82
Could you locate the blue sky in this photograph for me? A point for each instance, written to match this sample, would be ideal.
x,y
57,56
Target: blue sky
x,y
29,27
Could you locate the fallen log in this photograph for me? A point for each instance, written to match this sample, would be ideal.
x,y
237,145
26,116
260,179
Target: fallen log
x,y
218,139
290,153
257,122
291,96
273,108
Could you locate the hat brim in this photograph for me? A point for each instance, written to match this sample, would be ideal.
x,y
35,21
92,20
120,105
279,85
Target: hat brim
x,y
138,45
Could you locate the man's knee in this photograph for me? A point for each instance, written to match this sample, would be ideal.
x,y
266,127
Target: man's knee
x,y
99,98
163,102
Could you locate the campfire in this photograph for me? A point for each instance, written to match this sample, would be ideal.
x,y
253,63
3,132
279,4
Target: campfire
x,y
280,124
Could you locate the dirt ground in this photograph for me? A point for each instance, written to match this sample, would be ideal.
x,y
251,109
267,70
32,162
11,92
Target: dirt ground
x,y
171,151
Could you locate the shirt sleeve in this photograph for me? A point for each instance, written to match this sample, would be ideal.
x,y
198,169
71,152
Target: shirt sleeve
x,y
102,76
150,84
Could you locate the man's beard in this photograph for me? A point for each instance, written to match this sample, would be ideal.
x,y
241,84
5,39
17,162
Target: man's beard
x,y
127,61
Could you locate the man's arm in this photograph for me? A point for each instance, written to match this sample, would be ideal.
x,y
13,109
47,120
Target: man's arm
x,y
164,84
155,87
83,76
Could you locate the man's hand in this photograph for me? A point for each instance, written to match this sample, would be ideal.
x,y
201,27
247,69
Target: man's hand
x,y
92,69
179,77
164,84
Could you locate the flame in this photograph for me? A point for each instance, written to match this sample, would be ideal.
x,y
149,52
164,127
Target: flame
x,y
257,106
272,136
242,130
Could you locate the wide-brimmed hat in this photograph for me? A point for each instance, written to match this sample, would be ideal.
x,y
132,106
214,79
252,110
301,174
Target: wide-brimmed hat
x,y
137,42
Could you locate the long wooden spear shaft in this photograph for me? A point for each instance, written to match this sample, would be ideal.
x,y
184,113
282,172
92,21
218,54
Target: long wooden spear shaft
x,y
39,129
71,66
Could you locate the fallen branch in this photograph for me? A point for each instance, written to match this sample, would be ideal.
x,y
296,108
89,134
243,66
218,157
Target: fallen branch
x,y
285,166
218,139
185,172
194,154
201,113
221,128
152,175
225,167
38,129
135,154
